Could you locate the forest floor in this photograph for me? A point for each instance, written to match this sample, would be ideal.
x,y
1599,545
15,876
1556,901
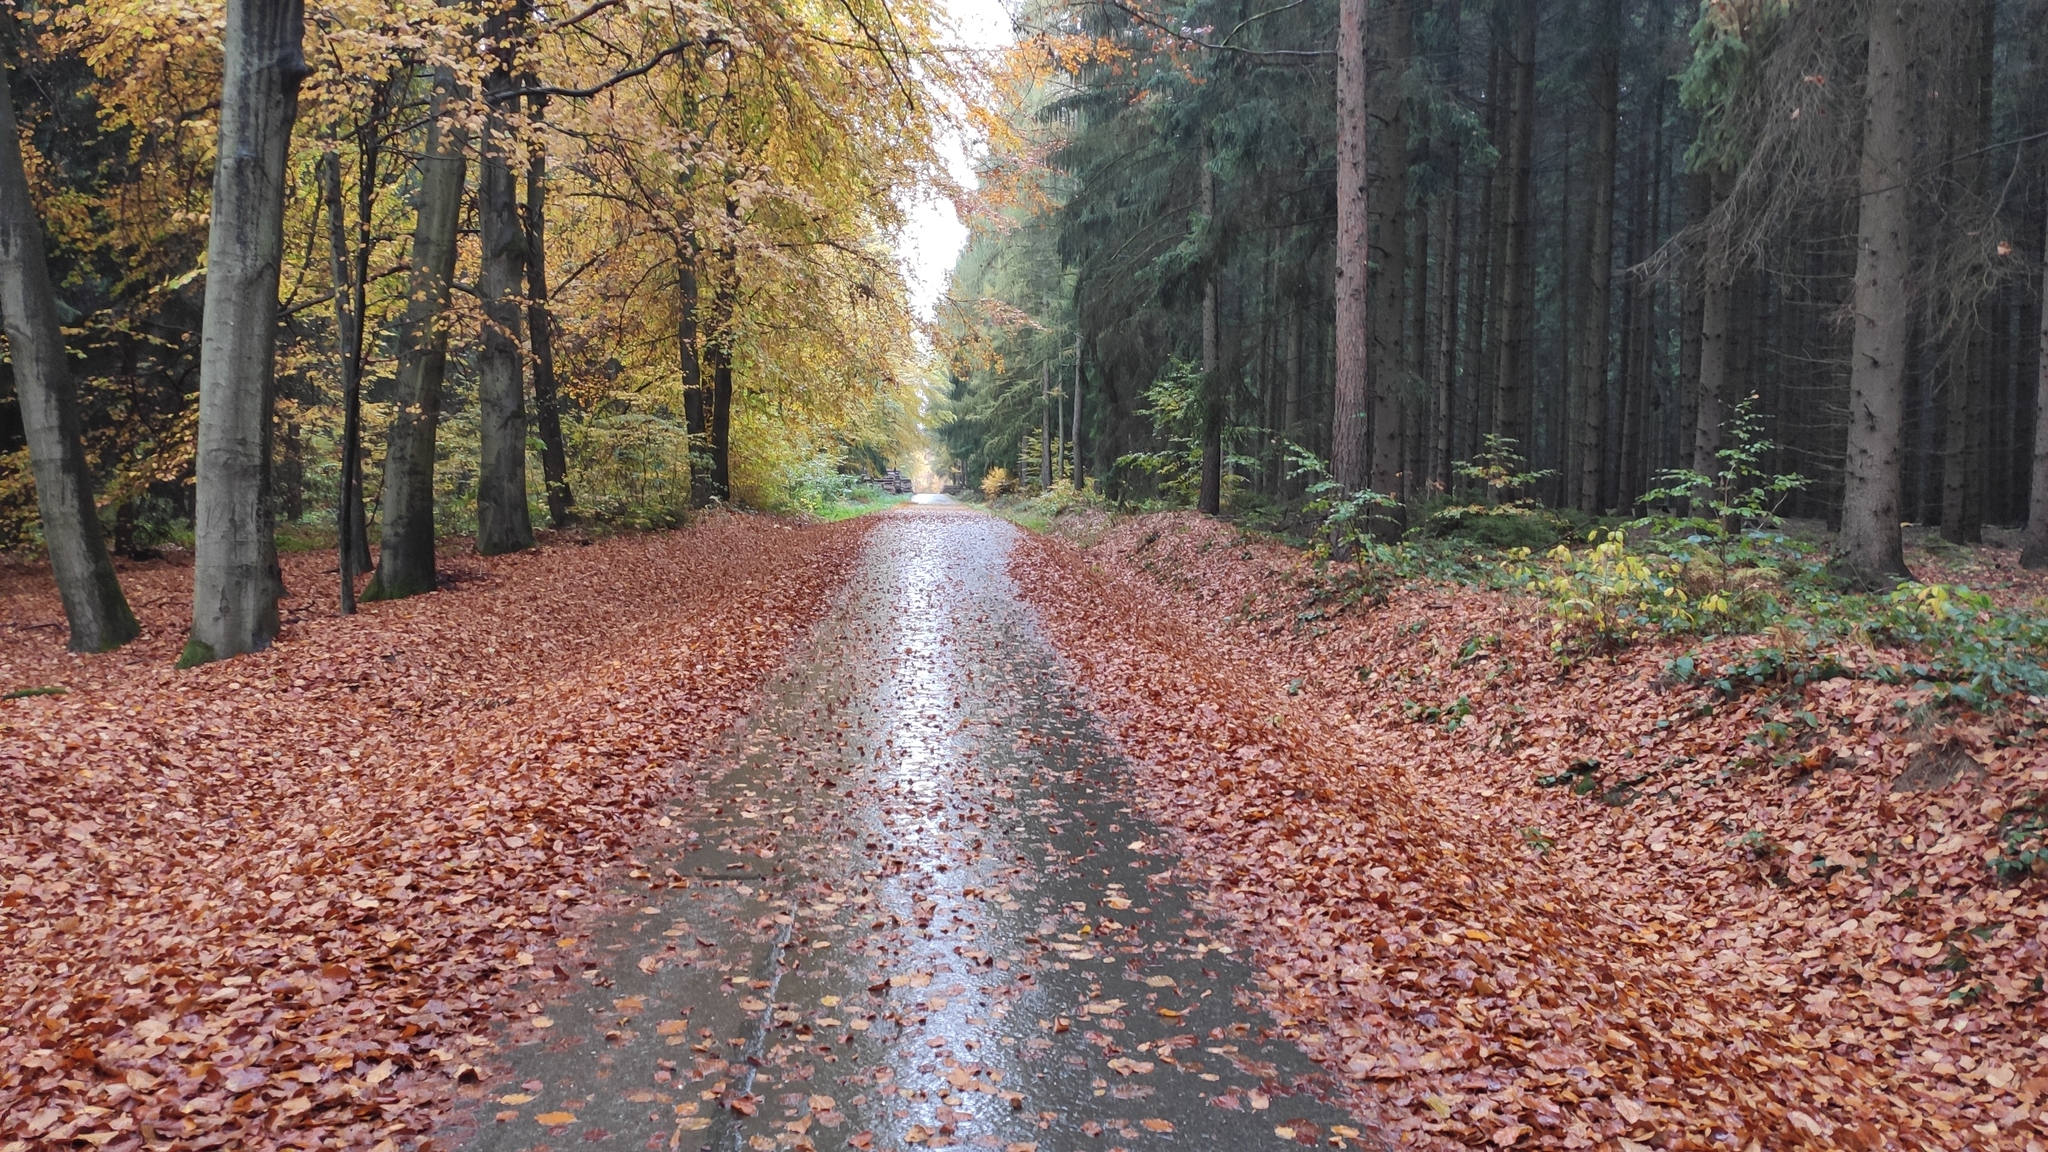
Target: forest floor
x,y
1528,904
280,900
337,894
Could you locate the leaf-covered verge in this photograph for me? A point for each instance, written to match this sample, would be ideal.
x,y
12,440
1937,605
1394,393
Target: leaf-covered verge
x,y
1809,911
281,901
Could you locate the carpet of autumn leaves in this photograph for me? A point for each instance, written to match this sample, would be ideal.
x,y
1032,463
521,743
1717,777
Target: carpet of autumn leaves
x,y
1751,947
280,900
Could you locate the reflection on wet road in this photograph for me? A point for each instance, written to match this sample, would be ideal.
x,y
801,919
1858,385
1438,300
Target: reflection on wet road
x,y
914,911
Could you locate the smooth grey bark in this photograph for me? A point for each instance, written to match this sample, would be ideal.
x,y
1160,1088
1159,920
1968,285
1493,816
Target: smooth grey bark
x,y
235,579
1590,386
547,395
1870,552
348,347
503,522
93,604
2034,545
405,559
696,410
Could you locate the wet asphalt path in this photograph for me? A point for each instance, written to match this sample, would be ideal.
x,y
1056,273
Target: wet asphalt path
x,y
913,911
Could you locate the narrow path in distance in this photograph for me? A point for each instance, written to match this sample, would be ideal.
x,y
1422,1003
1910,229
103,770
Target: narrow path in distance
x,y
913,909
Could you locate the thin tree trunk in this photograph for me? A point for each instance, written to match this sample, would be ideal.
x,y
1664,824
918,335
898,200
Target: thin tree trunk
x,y
690,353
405,561
2034,545
503,520
1447,335
1717,305
1512,409
1348,429
540,335
1870,552
1209,498
347,347
1045,426
1969,370
93,604
718,357
1074,441
1390,253
1592,365
236,583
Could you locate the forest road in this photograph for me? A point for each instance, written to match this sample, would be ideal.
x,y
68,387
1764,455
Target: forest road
x,y
911,908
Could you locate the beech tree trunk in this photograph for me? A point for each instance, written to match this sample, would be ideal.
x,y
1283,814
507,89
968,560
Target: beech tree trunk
x,y
690,351
1870,552
405,561
540,335
236,583
93,604
348,346
503,522
1349,462
1590,392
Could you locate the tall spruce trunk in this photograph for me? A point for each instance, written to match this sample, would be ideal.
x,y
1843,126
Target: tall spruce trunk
x,y
503,522
236,583
1390,252
1717,343
1447,336
2034,544
1349,461
93,604
1512,412
1969,354
1870,552
1590,399
405,560
540,336
1074,441
1209,495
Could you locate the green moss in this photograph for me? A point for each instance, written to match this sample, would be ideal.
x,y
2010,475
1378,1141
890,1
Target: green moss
x,y
196,652
46,690
379,590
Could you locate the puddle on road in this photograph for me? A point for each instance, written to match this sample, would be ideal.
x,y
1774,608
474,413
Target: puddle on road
x,y
915,912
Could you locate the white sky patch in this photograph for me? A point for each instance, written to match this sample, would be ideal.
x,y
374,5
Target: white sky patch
x,y
933,235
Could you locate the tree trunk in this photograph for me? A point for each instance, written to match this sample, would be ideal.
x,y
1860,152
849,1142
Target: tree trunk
x,y
1209,498
1348,429
1969,367
718,354
405,562
1074,441
1390,252
1447,335
1717,307
540,335
690,354
236,583
1870,551
1512,409
1045,426
347,349
503,521
1591,401
93,604
2034,545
